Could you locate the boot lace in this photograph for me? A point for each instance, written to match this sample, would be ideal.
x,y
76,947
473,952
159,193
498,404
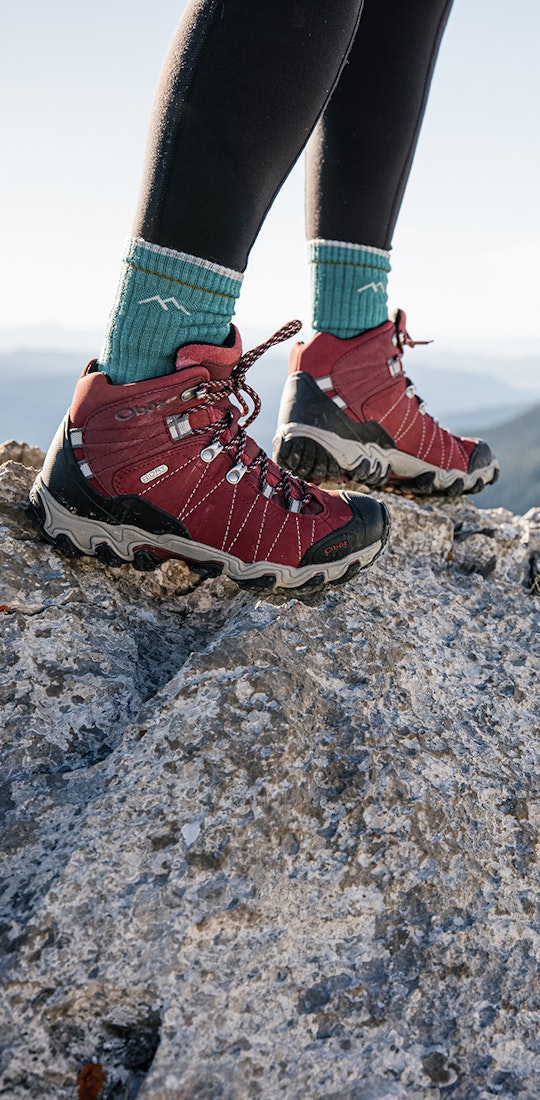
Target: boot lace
x,y
213,391
402,340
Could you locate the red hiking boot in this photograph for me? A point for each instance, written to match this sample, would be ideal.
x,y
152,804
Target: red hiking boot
x,y
349,411
164,469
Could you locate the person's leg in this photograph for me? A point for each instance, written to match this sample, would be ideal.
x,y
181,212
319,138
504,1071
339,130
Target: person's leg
x,y
239,94
152,461
347,408
360,156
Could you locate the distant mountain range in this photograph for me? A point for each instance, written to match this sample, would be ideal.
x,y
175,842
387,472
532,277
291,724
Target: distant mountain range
x,y
517,446
504,407
36,390
54,338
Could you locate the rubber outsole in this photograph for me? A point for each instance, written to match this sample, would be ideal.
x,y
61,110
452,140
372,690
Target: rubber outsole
x,y
308,458
113,546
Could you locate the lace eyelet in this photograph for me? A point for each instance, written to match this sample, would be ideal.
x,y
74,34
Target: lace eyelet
x,y
236,473
410,391
179,426
211,452
295,505
188,395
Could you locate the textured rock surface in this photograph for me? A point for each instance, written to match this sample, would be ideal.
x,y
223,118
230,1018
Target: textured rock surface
x,y
264,847
12,451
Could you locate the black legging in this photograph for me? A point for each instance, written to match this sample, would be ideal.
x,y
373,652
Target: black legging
x,y
243,86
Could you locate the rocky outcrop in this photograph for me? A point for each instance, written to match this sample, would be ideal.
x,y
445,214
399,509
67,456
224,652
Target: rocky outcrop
x,y
263,847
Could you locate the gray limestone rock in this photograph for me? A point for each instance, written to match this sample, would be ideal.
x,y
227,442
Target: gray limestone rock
x,y
265,847
12,451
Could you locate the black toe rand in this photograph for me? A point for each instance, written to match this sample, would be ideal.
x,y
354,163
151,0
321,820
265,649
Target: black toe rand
x,y
371,514
481,456
368,525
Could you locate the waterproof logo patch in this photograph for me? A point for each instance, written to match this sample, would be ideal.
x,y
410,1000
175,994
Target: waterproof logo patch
x,y
152,474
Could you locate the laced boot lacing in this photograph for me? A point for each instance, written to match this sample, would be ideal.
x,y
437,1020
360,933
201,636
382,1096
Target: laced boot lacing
x,y
209,393
400,340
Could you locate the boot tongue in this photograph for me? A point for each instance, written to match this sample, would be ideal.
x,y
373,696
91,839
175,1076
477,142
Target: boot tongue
x,y
218,361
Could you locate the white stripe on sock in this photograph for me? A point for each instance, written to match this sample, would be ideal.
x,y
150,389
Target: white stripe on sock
x,y
349,244
184,256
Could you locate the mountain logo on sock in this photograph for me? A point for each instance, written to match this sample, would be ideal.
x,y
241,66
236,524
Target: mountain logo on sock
x,y
164,303
375,287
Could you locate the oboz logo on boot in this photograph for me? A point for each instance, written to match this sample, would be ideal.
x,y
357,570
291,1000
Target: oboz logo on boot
x,y
140,410
336,546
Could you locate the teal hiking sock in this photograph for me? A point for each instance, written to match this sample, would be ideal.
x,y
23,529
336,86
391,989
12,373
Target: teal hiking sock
x,y
165,300
348,286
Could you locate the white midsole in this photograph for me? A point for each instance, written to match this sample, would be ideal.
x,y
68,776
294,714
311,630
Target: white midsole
x,y
124,539
350,452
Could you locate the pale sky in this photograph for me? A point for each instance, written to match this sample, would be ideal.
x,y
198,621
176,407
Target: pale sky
x,y
76,84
